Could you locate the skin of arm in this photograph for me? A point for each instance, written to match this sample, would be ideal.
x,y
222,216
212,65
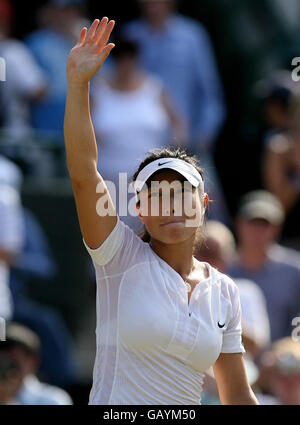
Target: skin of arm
x,y
232,381
85,59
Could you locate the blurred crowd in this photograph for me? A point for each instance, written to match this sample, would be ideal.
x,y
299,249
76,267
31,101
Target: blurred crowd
x,y
161,86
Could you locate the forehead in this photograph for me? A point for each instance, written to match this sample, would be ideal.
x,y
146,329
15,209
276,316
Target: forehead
x,y
166,175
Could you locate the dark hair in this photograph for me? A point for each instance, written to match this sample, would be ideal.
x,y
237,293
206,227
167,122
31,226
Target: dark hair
x,y
124,47
166,152
281,96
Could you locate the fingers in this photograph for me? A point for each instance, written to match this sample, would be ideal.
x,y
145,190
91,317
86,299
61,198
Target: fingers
x,y
106,34
82,36
98,33
107,49
100,30
92,30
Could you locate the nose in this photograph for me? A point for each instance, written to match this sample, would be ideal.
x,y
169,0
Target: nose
x,y
171,208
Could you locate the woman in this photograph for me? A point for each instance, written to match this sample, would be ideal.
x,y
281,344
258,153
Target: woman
x,y
163,317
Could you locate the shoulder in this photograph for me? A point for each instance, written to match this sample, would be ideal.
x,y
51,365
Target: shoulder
x,y
228,287
12,48
223,279
285,255
188,23
121,250
57,395
10,173
8,195
189,26
36,392
38,37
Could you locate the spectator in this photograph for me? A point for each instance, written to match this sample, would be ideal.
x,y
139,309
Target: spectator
x,y
281,170
131,114
258,224
31,260
35,263
281,368
179,51
19,359
11,230
275,92
60,21
25,81
218,249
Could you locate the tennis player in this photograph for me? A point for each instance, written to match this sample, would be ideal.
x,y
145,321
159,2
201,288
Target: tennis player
x,y
163,317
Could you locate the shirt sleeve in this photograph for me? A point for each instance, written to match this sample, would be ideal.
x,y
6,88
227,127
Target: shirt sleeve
x,y
232,335
106,251
120,250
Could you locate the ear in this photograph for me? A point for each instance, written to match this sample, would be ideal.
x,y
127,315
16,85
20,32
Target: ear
x,y
138,210
205,200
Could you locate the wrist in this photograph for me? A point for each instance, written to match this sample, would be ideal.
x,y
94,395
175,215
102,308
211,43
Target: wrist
x,y
78,85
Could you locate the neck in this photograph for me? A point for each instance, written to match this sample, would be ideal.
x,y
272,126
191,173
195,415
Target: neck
x,y
252,258
179,256
159,24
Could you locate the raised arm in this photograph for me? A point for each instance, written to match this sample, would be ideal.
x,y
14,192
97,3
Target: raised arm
x,y
85,59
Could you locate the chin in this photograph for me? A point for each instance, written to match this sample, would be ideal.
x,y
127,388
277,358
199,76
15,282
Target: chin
x,y
173,233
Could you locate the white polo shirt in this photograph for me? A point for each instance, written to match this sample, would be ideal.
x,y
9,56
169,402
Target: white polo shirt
x,y
153,347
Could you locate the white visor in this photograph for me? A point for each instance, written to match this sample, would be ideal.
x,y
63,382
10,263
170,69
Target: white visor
x,y
182,167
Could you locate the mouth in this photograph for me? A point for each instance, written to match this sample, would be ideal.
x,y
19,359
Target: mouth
x,y
172,223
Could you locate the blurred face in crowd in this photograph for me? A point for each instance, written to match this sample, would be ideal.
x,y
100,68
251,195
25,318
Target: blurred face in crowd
x,y
276,115
126,65
210,252
160,213
286,388
25,364
156,11
62,18
10,386
256,233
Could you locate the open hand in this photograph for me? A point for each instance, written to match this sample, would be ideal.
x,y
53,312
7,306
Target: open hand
x,y
91,51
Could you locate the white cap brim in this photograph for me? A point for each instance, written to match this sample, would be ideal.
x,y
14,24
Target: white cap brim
x,y
182,167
